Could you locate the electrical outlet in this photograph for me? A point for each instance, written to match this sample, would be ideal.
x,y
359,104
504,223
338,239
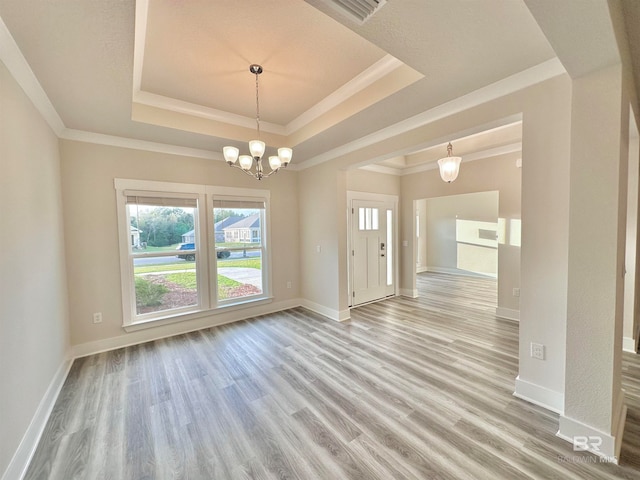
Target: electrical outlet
x,y
288,284
516,292
97,317
537,351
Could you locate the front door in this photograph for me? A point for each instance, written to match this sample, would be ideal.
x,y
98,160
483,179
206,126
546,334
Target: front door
x,y
372,251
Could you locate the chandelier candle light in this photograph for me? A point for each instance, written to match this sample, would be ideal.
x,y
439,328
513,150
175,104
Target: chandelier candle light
x,y
449,166
256,147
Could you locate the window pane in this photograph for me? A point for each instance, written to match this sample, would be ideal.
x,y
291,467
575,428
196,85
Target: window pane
x,y
238,241
165,283
160,228
367,221
374,219
361,218
240,275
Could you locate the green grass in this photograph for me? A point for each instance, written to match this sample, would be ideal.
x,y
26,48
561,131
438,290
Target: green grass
x,y
189,280
184,279
165,268
252,262
227,282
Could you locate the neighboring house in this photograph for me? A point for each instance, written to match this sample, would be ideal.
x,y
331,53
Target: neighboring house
x,y
245,230
219,227
189,237
135,237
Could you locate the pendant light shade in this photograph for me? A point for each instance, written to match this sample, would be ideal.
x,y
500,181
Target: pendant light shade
x,y
449,166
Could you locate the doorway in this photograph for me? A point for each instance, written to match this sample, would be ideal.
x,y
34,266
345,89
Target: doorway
x,y
372,247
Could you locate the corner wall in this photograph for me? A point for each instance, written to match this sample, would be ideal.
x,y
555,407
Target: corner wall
x,y
34,335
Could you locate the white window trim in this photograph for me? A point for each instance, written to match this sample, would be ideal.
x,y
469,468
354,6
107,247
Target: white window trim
x,y
240,194
206,259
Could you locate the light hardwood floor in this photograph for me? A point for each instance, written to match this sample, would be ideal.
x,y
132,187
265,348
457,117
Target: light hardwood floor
x,y
407,389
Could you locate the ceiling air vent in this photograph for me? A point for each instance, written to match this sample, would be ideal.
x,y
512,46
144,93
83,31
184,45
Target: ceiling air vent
x,y
357,10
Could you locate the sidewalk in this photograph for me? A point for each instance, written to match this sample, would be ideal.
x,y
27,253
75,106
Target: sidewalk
x,y
252,276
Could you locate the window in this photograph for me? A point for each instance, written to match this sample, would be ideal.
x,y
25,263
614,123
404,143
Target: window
x,y
164,259
239,257
367,218
190,249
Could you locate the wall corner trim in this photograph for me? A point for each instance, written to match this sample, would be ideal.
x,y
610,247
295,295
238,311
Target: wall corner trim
x,y
407,292
337,315
22,457
608,446
539,395
508,313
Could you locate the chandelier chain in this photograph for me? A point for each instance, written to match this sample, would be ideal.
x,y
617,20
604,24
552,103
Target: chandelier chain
x,y
257,108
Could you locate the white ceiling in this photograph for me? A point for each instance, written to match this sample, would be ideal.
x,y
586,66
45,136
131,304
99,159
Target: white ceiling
x,y
176,72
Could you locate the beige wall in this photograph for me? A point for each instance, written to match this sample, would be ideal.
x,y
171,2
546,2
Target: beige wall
x,y
323,226
372,182
422,252
88,173
33,287
446,254
322,209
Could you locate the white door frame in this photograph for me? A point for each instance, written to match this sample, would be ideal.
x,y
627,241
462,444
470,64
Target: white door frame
x,y
394,200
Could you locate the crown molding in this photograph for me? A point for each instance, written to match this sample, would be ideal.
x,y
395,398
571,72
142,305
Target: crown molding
x,y
526,78
471,157
115,141
383,169
17,65
187,108
375,72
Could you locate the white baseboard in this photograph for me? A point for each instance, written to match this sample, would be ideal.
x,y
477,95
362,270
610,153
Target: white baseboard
x,y
629,345
337,315
457,271
422,269
508,313
600,443
22,457
169,330
407,292
539,395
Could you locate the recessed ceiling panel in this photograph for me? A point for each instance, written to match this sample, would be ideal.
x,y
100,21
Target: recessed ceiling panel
x,y
200,51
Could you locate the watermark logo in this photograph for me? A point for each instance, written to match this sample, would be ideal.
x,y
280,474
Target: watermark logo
x,y
590,443
585,444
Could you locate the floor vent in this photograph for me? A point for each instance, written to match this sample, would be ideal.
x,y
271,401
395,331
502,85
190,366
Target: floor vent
x,y
357,10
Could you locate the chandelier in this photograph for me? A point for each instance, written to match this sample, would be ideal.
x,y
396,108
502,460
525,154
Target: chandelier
x,y
256,148
449,166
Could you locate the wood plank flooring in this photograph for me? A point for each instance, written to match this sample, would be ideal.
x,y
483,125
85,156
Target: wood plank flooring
x,y
407,389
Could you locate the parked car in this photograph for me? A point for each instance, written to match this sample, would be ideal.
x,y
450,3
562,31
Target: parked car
x,y
190,257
